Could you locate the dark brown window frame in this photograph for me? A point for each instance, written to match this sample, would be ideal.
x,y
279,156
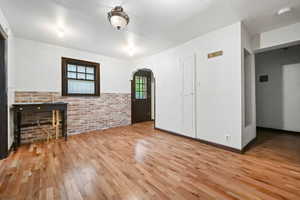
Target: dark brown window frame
x,y
64,64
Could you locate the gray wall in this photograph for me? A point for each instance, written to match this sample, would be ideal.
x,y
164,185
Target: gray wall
x,y
270,95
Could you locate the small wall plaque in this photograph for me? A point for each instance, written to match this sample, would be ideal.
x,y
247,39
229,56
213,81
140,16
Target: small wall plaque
x,y
263,78
215,54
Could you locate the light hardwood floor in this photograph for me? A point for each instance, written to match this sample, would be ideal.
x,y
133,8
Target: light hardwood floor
x,y
140,163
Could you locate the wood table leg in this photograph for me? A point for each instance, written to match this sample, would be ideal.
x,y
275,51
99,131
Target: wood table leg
x,y
19,121
57,124
16,129
64,124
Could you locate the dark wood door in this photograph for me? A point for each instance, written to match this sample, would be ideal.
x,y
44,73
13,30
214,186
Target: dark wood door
x,y
3,97
141,97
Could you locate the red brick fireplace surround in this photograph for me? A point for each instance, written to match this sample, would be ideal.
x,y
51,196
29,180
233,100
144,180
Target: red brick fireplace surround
x,y
84,113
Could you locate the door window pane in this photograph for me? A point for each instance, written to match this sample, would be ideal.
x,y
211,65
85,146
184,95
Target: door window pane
x,y
141,87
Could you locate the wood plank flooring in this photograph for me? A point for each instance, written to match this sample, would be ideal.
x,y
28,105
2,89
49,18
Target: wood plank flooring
x,y
140,163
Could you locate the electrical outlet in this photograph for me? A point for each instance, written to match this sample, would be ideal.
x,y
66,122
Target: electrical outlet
x,y
228,138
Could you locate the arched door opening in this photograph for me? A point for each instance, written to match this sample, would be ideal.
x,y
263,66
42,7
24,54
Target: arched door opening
x,y
142,96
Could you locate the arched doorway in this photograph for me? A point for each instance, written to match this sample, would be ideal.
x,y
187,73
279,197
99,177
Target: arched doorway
x,y
142,96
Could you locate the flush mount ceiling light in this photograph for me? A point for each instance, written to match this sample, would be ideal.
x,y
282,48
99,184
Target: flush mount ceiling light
x,y
60,32
130,49
284,10
118,18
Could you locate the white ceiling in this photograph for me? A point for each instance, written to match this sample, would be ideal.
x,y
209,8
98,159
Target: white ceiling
x,y
155,24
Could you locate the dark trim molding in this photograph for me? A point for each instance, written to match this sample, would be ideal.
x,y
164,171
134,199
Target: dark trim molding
x,y
249,145
174,133
3,33
64,79
220,146
3,94
11,149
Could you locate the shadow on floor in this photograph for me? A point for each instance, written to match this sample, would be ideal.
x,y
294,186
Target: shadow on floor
x,y
276,145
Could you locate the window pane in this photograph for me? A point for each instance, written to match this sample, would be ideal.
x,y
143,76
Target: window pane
x,y
80,76
81,69
89,77
71,75
71,68
90,70
81,87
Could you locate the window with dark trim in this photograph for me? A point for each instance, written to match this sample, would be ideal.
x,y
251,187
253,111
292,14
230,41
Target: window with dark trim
x,y
80,78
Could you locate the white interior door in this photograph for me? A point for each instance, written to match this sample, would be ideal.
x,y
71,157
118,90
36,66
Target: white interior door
x,y
188,96
291,97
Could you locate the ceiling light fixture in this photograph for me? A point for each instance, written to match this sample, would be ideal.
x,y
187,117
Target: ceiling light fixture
x,y
130,49
60,33
118,18
131,52
284,10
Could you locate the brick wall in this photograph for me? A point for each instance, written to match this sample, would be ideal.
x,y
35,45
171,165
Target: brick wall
x,y
84,113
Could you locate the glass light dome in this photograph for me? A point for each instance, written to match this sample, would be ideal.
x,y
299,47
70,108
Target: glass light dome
x,y
118,22
118,18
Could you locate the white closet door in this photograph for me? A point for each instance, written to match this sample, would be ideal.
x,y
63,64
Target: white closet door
x,y
291,97
188,96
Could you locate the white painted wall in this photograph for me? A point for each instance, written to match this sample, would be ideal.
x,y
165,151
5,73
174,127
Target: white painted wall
x,y
167,75
219,88
219,109
270,98
39,67
10,72
248,96
277,37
